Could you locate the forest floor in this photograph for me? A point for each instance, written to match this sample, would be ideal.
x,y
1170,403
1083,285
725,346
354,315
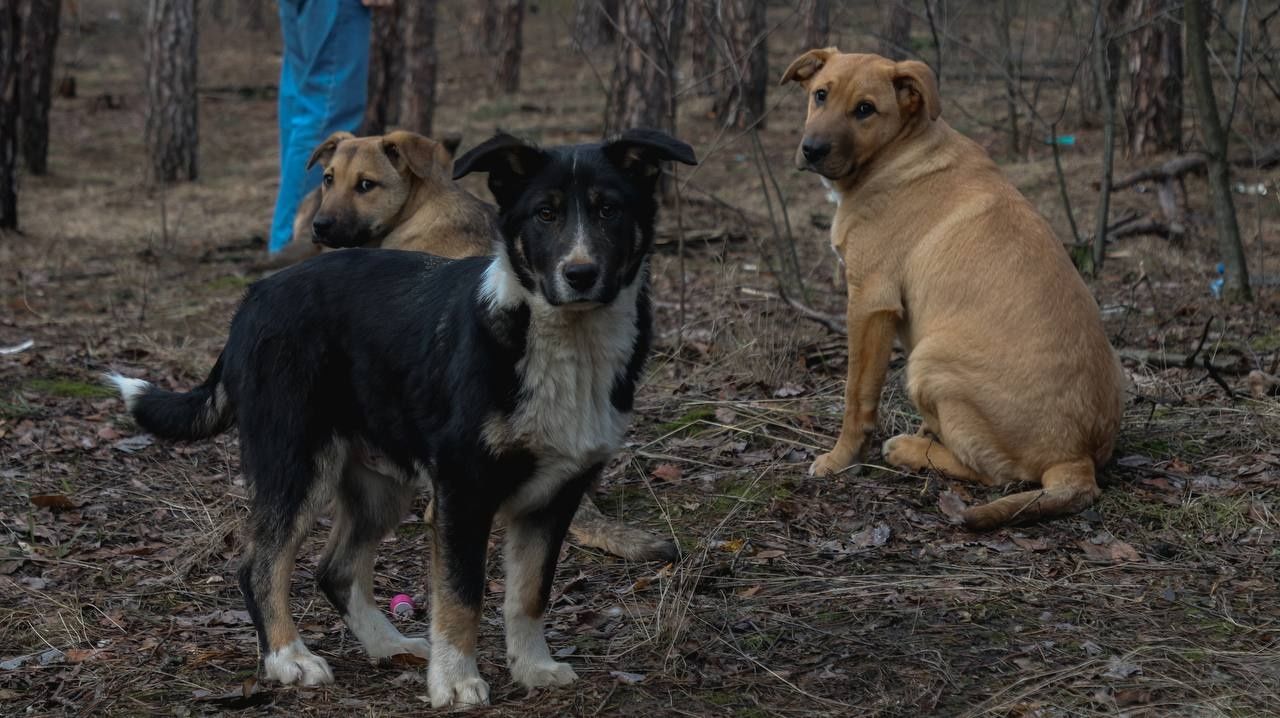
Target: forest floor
x,y
854,595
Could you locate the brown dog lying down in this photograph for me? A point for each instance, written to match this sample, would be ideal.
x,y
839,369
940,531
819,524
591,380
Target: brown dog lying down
x,y
1008,362
396,191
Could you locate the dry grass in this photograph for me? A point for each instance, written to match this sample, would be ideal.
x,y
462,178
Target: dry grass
x,y
848,596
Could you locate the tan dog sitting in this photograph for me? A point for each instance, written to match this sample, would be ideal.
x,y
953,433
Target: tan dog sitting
x,y
1008,362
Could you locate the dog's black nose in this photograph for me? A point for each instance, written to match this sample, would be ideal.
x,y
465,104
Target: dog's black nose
x,y
815,150
320,226
581,275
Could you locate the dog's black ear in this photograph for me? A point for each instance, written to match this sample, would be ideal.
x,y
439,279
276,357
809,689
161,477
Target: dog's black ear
x,y
324,151
509,162
803,68
641,152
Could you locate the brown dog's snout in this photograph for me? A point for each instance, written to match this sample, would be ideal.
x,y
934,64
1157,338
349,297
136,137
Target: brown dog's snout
x,y
321,225
815,150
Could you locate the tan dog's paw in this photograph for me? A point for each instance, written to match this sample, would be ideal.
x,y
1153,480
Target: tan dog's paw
x,y
831,463
903,452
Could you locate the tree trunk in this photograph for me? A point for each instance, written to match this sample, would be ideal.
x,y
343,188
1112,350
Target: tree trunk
x,y
419,92
1236,280
510,44
895,43
817,23
593,23
1154,113
704,24
171,128
10,31
386,69
1105,76
742,91
480,28
642,92
39,38
1012,74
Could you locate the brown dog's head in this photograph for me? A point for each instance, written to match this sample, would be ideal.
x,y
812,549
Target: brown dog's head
x,y
858,105
368,180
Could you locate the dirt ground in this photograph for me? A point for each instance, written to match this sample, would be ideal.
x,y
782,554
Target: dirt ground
x,y
850,596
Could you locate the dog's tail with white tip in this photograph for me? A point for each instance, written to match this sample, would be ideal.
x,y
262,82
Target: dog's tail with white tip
x,y
197,414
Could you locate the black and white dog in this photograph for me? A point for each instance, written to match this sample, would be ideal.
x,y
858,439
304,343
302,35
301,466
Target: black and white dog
x,y
504,382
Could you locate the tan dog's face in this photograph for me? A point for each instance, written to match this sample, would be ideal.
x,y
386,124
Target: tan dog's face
x,y
858,105
368,180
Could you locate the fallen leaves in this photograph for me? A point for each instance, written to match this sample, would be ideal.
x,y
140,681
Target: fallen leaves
x,y
952,506
53,502
1105,547
667,472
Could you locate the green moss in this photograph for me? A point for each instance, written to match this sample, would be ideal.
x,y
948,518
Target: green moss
x,y
18,410
69,388
687,422
229,282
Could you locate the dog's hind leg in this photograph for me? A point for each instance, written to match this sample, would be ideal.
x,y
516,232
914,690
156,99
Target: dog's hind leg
x,y
921,453
531,551
1068,488
284,507
593,529
367,506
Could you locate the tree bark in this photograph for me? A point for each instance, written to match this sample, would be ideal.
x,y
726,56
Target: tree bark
x,y
1090,94
742,90
817,23
39,38
704,24
1236,279
593,23
1105,73
1153,116
1012,75
642,91
386,69
10,30
895,43
480,28
171,119
510,32
419,92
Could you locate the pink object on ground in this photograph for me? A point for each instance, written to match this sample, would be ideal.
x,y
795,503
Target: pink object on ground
x,y
402,605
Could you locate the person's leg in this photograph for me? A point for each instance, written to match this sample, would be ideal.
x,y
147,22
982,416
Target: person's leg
x,y
330,95
292,62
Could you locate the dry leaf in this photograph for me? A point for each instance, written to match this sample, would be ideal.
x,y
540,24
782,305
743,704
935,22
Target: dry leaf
x,y
667,472
628,678
771,553
53,502
952,505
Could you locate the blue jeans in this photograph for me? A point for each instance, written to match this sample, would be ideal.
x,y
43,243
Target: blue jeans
x,y
323,80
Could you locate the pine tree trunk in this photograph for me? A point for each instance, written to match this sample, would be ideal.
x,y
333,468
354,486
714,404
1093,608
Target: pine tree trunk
x,y
480,28
704,25
1153,115
1103,39
742,91
817,23
593,23
10,31
1012,75
171,122
642,92
39,39
1236,280
386,70
895,44
419,90
510,32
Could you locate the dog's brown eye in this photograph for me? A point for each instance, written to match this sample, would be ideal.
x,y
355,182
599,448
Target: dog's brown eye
x,y
365,185
546,214
608,211
820,97
328,180
864,110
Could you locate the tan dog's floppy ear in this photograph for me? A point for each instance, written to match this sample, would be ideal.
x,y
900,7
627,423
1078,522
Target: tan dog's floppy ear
x,y
418,153
803,68
918,78
325,150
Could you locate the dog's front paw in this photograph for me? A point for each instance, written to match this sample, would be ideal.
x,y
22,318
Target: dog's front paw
x,y
831,463
295,664
460,693
543,673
